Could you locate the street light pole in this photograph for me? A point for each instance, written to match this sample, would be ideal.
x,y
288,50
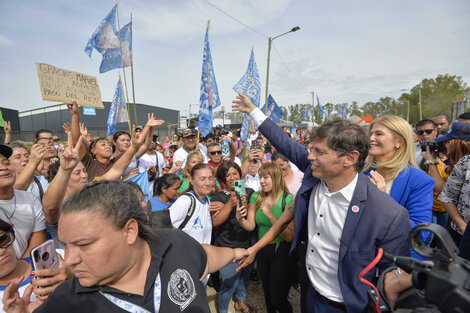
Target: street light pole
x,y
420,105
270,40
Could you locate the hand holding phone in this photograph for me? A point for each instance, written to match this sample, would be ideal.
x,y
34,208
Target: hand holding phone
x,y
44,256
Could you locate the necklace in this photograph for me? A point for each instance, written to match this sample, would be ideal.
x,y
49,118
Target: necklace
x,y
14,209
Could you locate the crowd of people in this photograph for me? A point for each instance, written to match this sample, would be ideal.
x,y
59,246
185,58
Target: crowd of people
x,y
311,208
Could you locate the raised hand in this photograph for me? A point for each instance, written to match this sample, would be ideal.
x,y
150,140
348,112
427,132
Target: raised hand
x,y
67,128
137,139
243,104
83,130
73,107
153,122
7,127
37,153
13,303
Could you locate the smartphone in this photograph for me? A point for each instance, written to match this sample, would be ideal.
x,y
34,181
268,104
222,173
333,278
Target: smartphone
x,y
256,144
225,148
240,190
44,256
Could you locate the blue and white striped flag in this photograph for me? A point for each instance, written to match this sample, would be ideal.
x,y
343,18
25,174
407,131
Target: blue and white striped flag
x,y
142,180
274,111
112,57
338,111
345,112
117,111
104,37
250,86
209,97
308,113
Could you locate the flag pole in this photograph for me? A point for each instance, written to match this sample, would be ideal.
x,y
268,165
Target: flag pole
x,y
127,111
132,76
122,60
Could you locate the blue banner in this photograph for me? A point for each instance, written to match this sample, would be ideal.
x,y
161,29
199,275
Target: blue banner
x,y
274,111
104,37
250,86
117,111
209,97
308,113
320,108
345,112
112,57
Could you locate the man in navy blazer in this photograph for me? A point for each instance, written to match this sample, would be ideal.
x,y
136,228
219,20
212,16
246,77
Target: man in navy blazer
x,y
339,213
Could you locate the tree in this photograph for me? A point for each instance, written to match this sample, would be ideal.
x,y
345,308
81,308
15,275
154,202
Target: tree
x,y
354,109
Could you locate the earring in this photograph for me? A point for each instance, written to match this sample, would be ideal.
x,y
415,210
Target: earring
x,y
397,146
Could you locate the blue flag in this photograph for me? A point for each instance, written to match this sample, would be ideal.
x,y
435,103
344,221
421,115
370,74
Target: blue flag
x,y
308,113
338,111
142,180
104,37
320,108
345,112
112,57
250,86
117,111
327,114
274,111
209,98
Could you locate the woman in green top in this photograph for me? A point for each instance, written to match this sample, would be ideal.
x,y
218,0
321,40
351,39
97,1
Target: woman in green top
x,y
275,266
194,157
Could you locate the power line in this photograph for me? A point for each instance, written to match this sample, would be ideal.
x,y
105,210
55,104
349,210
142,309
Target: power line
x,y
235,19
289,71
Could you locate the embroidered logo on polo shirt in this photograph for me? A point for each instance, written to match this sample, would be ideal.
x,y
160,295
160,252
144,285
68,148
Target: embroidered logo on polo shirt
x,y
181,290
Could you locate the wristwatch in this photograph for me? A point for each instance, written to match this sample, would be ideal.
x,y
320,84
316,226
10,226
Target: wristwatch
x,y
431,162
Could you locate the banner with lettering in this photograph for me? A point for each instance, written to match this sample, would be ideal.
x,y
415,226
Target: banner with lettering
x,y
63,85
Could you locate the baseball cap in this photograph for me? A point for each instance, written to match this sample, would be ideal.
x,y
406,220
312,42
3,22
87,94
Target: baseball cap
x,y
459,130
189,132
6,151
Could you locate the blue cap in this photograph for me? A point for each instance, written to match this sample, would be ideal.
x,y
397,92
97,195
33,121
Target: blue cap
x,y
459,130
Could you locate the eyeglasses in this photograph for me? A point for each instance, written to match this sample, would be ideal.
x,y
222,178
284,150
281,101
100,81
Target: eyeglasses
x,y
215,152
427,131
7,239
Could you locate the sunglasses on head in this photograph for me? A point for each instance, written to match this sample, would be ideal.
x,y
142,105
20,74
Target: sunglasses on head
x,y
6,239
427,131
215,152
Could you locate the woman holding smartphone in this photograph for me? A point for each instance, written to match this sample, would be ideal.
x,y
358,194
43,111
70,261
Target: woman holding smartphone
x,y
228,233
11,268
275,266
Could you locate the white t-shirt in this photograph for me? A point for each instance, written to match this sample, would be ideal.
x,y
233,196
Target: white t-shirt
x,y
24,211
181,155
148,160
199,225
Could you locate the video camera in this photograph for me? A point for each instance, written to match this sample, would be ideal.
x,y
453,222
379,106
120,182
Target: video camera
x,y
443,286
433,146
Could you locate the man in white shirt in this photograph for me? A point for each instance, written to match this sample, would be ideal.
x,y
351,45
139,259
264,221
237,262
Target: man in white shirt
x,y
20,208
190,142
341,218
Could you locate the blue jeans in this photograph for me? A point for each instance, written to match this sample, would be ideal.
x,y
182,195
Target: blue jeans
x,y
439,218
231,281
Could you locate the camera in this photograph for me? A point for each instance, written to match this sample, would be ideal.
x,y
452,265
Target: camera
x,y
443,286
433,146
237,183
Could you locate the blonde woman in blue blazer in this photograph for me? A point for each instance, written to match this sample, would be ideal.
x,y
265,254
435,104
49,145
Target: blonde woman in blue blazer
x,y
392,167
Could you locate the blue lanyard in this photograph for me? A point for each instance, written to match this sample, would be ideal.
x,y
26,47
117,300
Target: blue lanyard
x,y
134,308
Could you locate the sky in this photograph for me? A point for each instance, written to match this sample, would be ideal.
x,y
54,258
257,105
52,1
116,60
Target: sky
x,y
345,50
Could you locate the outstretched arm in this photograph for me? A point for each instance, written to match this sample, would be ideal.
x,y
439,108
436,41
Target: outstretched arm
x,y
218,257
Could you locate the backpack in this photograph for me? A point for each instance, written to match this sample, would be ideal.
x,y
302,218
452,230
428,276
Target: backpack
x,y
190,212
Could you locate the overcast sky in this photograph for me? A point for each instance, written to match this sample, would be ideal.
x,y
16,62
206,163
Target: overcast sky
x,y
346,50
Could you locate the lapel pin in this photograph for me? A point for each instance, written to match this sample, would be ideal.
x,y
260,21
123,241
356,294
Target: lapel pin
x,y
355,209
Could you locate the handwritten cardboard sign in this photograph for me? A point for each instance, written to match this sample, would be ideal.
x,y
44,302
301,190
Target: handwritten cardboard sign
x,y
62,85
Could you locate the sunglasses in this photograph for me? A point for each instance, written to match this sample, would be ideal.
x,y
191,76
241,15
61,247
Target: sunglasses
x,y
215,152
7,239
427,131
